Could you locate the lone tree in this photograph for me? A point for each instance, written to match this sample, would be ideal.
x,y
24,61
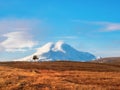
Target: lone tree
x,y
35,57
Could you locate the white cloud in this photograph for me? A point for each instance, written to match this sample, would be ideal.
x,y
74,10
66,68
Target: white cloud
x,y
108,26
14,34
105,26
112,27
1,48
14,24
17,41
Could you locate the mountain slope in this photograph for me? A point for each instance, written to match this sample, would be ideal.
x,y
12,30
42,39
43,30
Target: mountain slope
x,y
60,51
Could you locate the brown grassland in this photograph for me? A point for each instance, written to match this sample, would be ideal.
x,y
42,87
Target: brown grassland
x,y
59,75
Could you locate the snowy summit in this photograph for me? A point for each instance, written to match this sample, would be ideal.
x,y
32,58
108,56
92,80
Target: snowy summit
x,y
59,51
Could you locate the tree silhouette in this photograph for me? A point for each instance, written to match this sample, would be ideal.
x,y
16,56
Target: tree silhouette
x,y
35,57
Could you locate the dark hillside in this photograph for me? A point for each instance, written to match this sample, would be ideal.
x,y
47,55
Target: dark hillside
x,y
65,66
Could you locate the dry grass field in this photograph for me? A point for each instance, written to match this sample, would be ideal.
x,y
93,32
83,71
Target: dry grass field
x,y
59,75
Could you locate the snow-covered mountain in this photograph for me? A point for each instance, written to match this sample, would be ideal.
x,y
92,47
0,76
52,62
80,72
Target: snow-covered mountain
x,y
60,51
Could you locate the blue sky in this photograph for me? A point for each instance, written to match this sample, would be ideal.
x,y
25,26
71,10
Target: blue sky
x,y
87,25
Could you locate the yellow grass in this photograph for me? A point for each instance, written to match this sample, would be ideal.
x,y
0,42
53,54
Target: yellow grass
x,y
12,78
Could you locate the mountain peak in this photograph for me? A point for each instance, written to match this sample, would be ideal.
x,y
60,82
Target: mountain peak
x,y
59,46
60,43
60,51
47,47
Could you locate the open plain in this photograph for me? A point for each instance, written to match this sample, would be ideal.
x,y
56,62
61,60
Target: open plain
x,y
59,75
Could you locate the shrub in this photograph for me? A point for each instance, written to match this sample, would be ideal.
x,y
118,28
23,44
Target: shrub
x,y
35,57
